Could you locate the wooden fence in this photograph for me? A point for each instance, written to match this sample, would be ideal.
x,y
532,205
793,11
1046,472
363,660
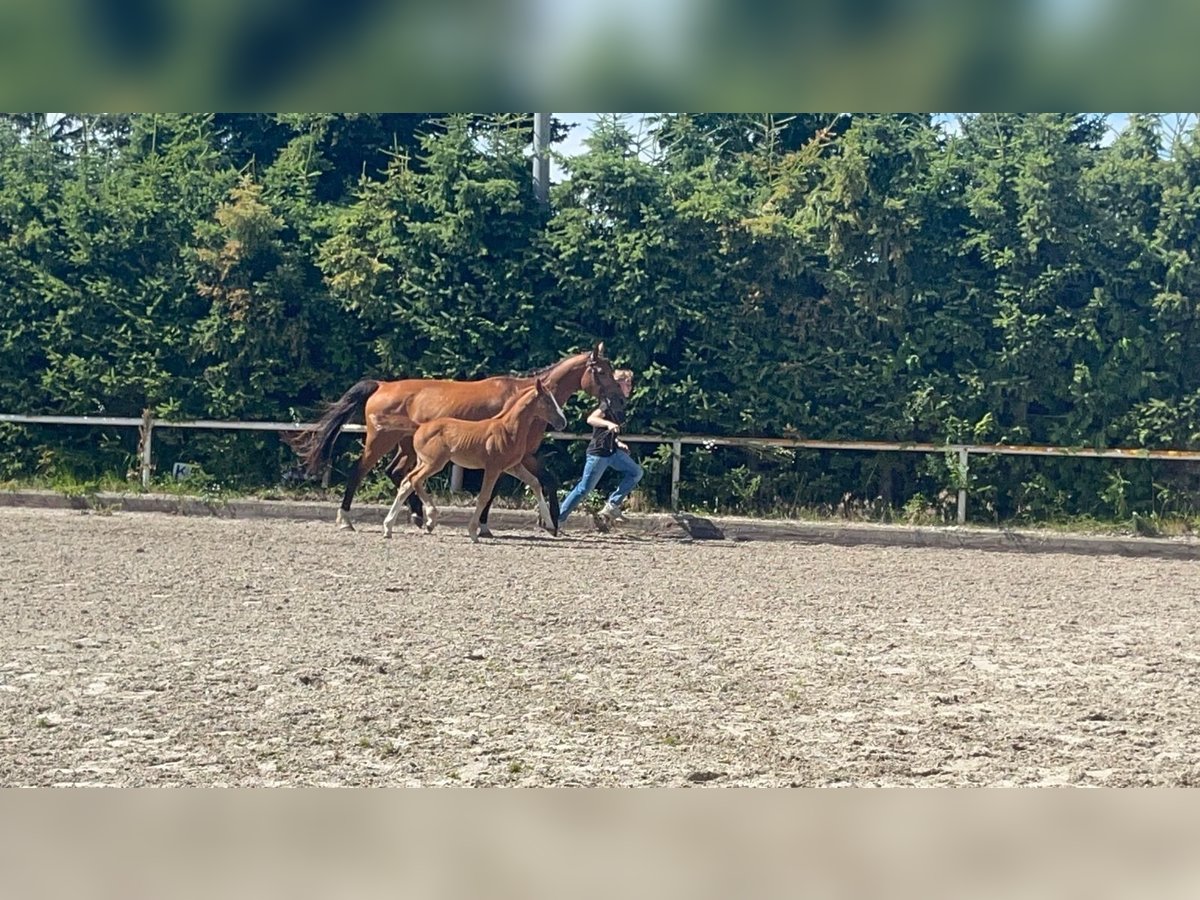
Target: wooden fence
x,y
147,425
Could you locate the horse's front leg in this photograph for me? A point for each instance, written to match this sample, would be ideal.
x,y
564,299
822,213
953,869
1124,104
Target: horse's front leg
x,y
549,486
530,480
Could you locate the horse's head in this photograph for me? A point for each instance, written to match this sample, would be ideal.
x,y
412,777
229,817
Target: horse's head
x,y
546,407
598,377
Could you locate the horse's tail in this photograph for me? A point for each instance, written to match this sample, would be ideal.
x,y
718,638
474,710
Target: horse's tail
x,y
315,446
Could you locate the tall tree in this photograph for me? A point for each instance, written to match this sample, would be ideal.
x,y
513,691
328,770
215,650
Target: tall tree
x,y
119,337
1170,415
440,259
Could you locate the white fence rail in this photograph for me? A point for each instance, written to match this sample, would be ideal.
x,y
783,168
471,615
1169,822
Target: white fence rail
x,y
147,424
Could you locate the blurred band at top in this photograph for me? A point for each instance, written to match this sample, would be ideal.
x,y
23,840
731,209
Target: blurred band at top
x,y
568,54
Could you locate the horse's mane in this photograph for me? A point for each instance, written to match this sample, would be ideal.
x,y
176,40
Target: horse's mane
x,y
545,370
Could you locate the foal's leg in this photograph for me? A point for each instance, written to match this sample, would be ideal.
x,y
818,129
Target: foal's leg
x,y
406,488
548,517
415,484
468,484
431,511
402,463
534,485
549,485
376,445
468,480
490,477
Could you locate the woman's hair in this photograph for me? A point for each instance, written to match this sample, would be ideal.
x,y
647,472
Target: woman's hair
x,y
623,374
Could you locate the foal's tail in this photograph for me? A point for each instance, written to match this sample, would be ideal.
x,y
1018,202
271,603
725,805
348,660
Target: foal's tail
x,y
316,445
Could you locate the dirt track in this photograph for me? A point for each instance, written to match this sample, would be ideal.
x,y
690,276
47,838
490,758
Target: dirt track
x,y
150,649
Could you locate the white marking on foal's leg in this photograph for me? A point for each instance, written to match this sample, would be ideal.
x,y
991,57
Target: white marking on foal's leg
x,y
535,488
544,513
394,513
343,520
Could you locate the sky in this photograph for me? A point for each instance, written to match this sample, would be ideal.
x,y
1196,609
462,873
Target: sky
x,y
583,122
573,144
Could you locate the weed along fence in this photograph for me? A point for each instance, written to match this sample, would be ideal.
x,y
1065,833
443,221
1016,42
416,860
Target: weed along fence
x,y
962,452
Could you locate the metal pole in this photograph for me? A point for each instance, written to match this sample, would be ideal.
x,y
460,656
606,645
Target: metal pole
x,y
541,157
676,458
962,488
147,430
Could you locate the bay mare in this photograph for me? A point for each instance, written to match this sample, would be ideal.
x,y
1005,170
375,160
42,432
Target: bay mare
x,y
496,445
393,410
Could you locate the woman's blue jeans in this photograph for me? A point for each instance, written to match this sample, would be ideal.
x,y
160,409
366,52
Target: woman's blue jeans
x,y
593,470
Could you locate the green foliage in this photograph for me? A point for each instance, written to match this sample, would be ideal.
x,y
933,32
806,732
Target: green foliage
x,y
1013,279
440,259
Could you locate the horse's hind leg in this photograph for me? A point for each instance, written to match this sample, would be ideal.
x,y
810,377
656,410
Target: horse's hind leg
x,y
376,445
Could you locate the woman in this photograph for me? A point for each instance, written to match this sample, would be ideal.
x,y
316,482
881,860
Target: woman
x,y
607,452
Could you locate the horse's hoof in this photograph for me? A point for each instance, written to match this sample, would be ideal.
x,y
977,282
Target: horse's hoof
x,y
484,531
414,519
345,526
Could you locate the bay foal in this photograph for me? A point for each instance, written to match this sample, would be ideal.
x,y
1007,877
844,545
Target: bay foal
x,y
496,445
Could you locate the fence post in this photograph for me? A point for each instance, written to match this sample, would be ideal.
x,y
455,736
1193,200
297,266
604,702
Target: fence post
x,y
676,458
456,476
146,432
962,488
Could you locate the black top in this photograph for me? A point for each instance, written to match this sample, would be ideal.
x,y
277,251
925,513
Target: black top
x,y
604,442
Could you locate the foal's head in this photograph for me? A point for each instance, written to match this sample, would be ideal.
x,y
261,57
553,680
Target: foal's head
x,y
598,379
546,408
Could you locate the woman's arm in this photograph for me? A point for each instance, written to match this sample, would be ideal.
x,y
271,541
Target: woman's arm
x,y
597,420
